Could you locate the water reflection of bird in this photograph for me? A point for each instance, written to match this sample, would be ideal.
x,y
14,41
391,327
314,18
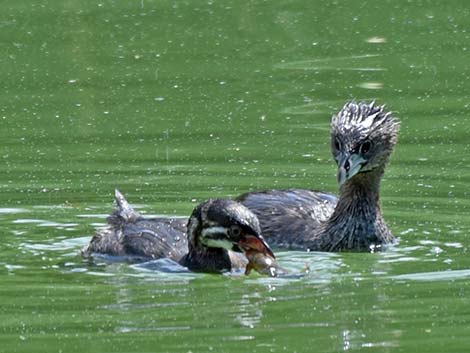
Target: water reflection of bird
x,y
362,140
213,240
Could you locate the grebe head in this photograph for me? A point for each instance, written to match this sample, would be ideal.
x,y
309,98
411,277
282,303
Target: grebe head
x,y
226,224
362,138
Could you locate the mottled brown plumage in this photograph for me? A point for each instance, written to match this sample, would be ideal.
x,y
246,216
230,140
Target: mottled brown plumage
x,y
362,140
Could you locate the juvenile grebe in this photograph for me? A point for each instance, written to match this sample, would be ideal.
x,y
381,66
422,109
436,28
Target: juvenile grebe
x,y
213,240
362,139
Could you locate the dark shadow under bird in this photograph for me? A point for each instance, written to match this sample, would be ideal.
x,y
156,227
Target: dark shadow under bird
x,y
362,139
214,239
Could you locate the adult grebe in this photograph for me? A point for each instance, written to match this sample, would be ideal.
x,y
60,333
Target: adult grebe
x,y
362,139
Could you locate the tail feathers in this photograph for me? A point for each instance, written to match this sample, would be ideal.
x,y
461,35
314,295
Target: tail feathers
x,y
123,213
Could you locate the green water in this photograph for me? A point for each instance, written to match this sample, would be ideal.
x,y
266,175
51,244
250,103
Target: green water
x,y
175,102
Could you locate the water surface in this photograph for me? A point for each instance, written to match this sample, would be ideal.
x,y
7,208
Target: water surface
x,y
175,102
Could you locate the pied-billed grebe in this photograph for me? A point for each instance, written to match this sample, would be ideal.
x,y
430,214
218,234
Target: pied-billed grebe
x,y
218,233
362,140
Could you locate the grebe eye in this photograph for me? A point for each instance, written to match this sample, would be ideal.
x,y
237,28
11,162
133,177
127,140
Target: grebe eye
x,y
236,231
365,147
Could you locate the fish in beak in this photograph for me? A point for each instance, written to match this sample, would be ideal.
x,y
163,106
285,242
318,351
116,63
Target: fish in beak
x,y
259,254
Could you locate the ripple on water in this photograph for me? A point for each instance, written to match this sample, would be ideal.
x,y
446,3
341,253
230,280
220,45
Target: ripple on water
x,y
61,245
93,215
371,85
160,265
129,329
28,220
13,210
448,275
364,62
11,267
